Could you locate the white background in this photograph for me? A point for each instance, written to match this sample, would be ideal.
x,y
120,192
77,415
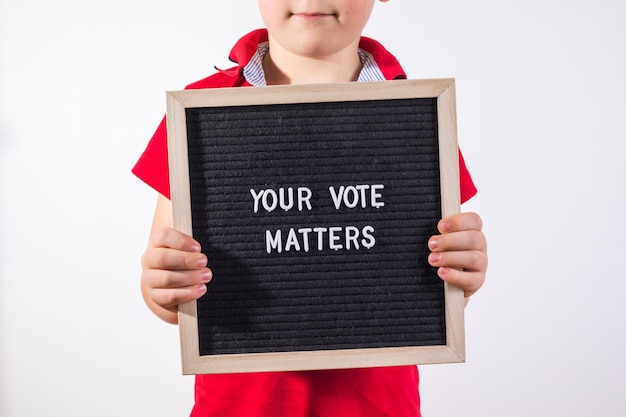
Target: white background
x,y
541,111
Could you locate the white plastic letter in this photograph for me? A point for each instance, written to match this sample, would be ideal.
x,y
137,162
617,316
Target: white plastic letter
x,y
320,236
266,205
304,197
355,197
362,189
292,241
333,238
368,238
336,197
273,242
375,196
352,234
256,198
305,237
286,205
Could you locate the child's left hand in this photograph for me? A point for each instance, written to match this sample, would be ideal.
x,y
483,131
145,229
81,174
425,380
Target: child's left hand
x,y
460,252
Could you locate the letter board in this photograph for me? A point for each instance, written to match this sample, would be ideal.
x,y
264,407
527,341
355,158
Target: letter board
x,y
314,205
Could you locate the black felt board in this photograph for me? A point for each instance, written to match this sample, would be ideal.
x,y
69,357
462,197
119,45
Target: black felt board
x,y
302,290
326,298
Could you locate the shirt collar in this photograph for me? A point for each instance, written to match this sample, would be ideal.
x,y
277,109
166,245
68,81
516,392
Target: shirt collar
x,y
253,71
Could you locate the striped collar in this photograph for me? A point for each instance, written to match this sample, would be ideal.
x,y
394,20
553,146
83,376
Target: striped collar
x,y
253,71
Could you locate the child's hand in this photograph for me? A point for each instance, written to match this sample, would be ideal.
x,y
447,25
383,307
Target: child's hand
x,y
174,272
460,252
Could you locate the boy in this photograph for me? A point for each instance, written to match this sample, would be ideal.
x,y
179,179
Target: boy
x,y
306,41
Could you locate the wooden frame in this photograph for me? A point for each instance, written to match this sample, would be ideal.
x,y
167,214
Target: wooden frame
x,y
444,92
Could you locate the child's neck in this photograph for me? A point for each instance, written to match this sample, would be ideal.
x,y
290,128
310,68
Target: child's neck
x,y
282,67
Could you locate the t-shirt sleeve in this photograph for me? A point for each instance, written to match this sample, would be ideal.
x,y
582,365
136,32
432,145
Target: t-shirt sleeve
x,y
153,166
468,189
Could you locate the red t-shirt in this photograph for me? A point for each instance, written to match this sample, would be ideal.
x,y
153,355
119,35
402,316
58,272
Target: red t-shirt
x,y
389,391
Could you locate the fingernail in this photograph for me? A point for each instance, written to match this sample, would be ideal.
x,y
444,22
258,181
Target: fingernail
x,y
433,243
207,275
444,226
202,262
202,288
434,258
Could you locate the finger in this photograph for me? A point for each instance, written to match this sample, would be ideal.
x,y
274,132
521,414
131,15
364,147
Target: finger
x,y
458,241
461,221
171,298
155,278
469,281
172,259
170,238
469,260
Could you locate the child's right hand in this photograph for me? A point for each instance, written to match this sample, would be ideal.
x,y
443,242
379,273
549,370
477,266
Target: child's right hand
x,y
174,269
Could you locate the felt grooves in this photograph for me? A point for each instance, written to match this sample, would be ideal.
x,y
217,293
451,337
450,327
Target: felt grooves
x,y
311,296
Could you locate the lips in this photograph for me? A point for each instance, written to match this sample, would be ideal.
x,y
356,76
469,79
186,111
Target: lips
x,y
312,15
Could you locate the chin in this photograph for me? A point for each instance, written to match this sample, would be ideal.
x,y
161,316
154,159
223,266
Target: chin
x,y
315,47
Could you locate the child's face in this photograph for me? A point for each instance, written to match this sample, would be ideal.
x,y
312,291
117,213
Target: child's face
x,y
315,28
